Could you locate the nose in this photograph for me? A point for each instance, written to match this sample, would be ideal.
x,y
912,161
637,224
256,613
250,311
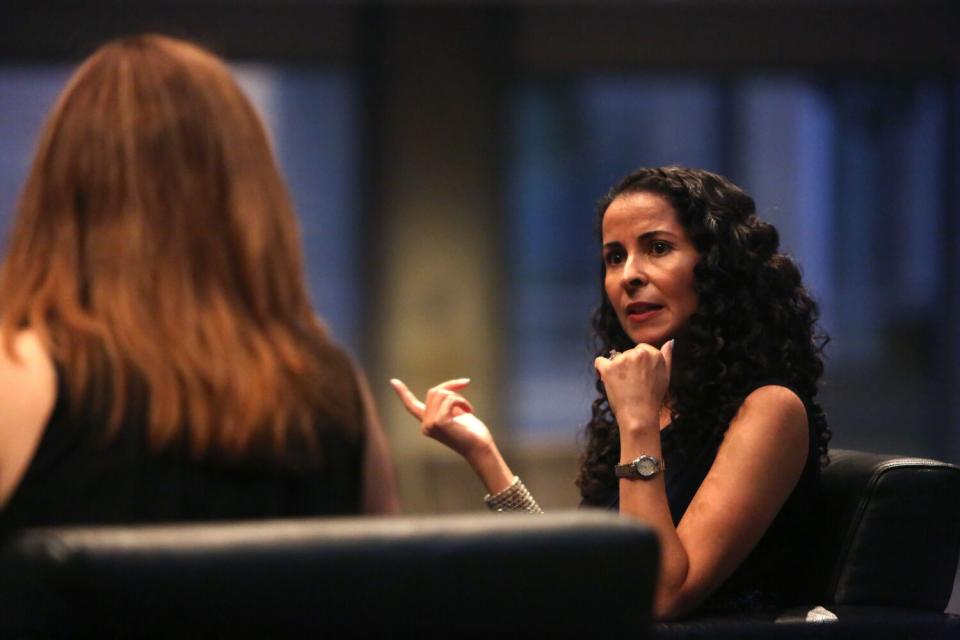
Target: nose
x,y
633,274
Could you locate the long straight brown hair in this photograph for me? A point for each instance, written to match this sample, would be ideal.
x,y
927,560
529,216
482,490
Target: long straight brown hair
x,y
156,253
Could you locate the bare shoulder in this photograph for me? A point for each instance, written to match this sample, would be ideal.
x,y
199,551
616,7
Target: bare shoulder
x,y
27,369
29,361
27,394
772,416
775,406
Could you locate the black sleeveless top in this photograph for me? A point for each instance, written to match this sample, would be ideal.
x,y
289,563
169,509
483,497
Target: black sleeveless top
x,y
773,575
73,478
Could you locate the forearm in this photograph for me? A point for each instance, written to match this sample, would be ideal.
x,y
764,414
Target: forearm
x,y
641,502
491,468
646,500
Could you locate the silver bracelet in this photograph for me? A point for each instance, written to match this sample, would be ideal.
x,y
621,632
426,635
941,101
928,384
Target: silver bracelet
x,y
516,497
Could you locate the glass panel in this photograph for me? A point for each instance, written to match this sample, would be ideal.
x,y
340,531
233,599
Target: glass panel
x,y
26,95
852,172
311,116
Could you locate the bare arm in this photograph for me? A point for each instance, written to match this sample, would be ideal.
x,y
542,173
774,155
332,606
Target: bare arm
x,y
757,466
28,389
380,494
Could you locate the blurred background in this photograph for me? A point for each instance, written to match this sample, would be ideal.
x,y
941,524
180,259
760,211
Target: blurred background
x,y
445,159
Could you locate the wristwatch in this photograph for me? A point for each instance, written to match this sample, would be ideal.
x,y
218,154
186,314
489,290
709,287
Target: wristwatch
x,y
643,468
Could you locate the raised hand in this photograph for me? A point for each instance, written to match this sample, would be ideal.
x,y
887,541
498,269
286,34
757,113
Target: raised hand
x,y
636,382
447,417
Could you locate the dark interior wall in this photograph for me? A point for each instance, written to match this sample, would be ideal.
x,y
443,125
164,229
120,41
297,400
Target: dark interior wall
x,y
824,35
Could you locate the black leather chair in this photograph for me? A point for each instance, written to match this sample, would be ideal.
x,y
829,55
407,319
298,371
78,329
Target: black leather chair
x,y
890,534
889,541
474,575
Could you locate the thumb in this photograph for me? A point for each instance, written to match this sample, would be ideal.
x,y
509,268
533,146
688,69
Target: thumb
x,y
667,352
600,364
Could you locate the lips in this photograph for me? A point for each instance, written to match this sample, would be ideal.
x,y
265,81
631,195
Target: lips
x,y
640,311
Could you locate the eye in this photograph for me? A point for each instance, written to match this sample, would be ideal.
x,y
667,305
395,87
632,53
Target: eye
x,y
613,257
660,248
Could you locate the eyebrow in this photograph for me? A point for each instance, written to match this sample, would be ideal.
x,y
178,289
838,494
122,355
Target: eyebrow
x,y
649,235
656,232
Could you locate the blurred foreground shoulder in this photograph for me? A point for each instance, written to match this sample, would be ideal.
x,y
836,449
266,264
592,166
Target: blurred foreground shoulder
x,y
28,389
380,492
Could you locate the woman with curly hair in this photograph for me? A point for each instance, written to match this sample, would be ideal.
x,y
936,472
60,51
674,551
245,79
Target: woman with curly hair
x,y
705,425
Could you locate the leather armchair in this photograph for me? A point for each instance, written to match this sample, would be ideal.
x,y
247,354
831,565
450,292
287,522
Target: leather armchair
x,y
889,537
474,575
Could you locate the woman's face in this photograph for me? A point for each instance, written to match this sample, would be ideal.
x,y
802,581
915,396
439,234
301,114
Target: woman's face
x,y
649,263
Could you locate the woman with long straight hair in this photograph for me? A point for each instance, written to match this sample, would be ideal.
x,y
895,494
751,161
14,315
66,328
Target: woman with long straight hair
x,y
159,356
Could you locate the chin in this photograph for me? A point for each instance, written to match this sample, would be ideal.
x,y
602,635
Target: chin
x,y
657,341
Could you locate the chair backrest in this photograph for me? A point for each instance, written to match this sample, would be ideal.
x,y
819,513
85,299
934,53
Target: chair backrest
x,y
359,577
889,531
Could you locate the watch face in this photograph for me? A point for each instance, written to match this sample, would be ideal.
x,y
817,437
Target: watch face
x,y
646,466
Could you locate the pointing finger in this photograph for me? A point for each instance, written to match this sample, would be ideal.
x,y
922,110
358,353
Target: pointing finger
x,y
410,401
454,385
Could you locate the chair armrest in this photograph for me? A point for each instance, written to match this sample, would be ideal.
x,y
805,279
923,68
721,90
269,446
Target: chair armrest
x,y
889,530
853,623
362,577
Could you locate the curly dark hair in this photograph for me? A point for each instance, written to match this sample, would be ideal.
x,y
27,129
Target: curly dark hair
x,y
755,321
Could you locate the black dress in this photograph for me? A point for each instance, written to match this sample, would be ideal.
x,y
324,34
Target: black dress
x,y
773,575
75,479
